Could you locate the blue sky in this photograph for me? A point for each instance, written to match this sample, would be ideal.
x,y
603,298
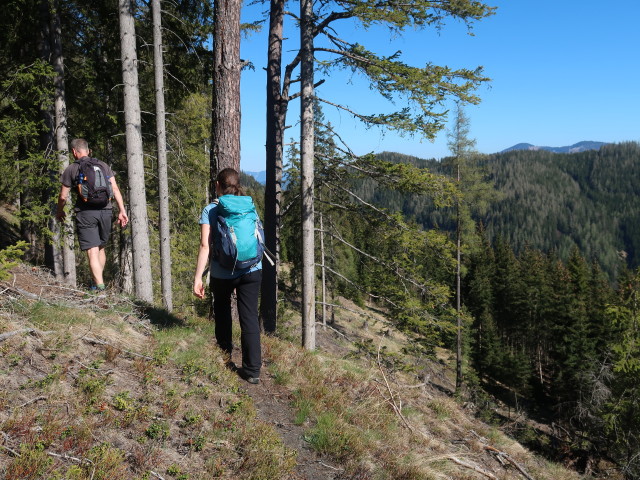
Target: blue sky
x,y
562,71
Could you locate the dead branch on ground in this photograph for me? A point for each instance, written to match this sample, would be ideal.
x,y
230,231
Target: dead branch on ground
x,y
36,332
475,468
95,341
506,456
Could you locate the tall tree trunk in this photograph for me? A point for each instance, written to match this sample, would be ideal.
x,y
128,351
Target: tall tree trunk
x,y
52,254
122,255
323,260
125,260
161,139
65,239
135,161
225,115
307,176
276,117
52,257
225,110
458,296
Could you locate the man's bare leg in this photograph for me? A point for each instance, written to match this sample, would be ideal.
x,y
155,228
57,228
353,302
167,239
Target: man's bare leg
x,y
97,260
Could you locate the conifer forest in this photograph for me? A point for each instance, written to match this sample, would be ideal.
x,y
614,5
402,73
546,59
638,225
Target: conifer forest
x,y
525,264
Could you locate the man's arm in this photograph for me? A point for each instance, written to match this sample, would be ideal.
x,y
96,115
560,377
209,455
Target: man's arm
x,y
123,219
62,200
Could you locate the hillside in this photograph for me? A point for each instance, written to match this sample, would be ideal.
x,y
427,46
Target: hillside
x,y
97,387
550,201
554,201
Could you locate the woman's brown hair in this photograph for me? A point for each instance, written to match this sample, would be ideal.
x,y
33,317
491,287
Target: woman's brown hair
x,y
229,181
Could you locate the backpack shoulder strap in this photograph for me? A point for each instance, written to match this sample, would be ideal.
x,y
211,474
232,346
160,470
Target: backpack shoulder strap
x,y
101,166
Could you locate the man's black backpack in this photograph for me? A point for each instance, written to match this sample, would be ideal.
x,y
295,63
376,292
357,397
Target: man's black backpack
x,y
94,186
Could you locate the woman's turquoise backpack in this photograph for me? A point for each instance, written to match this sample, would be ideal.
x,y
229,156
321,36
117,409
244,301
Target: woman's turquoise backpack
x,y
238,236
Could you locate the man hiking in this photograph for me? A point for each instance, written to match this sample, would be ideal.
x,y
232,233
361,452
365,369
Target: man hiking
x,y
95,185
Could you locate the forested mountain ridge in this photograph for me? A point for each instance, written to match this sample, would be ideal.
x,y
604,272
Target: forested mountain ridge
x,y
554,201
575,148
549,201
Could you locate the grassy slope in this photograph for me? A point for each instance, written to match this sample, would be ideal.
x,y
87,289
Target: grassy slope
x,y
96,390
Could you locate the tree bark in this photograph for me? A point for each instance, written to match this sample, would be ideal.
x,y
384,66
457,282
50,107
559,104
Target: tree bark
x,y
323,259
135,161
52,252
459,377
225,109
161,139
125,260
277,107
225,114
307,176
65,233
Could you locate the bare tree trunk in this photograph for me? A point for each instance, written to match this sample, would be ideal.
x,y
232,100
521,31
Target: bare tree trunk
x,y
122,255
52,254
161,139
135,161
307,176
276,115
324,274
125,260
65,233
459,377
225,115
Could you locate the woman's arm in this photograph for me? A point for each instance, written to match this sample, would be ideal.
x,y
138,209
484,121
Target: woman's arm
x,y
203,259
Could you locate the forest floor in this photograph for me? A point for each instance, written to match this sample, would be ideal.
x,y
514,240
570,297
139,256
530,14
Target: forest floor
x,y
94,386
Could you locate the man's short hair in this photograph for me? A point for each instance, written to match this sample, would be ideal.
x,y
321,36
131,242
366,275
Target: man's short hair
x,y
79,144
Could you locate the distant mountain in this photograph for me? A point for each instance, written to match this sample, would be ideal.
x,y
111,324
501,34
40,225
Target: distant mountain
x,y
261,177
575,148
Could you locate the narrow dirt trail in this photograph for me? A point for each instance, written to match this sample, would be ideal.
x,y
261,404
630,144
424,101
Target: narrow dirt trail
x,y
273,405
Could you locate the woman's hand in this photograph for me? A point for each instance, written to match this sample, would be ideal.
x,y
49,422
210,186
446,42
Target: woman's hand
x,y
203,258
198,289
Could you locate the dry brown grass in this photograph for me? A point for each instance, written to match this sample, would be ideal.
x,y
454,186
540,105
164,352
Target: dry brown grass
x,y
94,391
386,423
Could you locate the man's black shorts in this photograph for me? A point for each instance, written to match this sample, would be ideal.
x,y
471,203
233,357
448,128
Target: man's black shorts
x,y
94,228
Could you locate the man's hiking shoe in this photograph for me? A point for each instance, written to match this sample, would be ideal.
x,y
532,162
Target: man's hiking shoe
x,y
248,378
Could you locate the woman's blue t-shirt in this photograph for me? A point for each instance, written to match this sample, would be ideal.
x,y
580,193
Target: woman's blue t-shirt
x,y
210,217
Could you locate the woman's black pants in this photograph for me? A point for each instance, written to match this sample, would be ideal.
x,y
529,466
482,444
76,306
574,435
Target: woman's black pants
x,y
247,288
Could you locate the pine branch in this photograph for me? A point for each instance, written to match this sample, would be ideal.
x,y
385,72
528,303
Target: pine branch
x,y
330,327
364,118
296,95
358,287
393,267
334,305
369,205
357,58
